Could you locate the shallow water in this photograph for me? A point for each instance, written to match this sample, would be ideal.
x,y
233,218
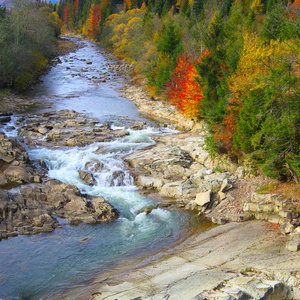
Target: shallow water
x,y
74,84
36,267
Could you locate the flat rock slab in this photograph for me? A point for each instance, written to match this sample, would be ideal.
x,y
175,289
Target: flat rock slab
x,y
200,263
66,128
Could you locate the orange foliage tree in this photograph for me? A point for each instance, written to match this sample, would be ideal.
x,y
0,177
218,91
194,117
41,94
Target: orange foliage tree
x,y
184,91
223,133
93,20
75,9
128,4
294,8
66,15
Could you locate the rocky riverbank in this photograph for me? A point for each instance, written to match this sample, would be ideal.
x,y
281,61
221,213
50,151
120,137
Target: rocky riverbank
x,y
37,199
238,260
180,170
235,261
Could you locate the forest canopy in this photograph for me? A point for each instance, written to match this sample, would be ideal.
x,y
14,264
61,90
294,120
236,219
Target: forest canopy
x,y
233,63
27,30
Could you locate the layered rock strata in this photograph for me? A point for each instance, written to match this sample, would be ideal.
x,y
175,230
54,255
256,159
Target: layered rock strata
x,y
182,173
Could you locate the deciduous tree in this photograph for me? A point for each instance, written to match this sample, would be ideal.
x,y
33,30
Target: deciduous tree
x,y
184,90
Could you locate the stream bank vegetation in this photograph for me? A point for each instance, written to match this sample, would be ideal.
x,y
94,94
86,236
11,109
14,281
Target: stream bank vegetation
x,y
28,33
233,63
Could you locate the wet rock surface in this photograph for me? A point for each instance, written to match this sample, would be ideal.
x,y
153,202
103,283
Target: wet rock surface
x,y
65,128
36,201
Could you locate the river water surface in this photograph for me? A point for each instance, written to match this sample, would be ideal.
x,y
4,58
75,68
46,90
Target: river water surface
x,y
45,265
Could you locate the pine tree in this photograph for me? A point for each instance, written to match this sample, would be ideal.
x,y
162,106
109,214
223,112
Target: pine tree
x,y
170,43
198,6
212,70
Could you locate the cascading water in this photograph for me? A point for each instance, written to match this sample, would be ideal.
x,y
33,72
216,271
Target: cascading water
x,y
36,267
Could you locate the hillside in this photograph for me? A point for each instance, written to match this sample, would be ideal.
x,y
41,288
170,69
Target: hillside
x,y
234,64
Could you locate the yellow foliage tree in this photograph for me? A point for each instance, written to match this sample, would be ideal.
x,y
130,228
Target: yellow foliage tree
x,y
256,6
126,32
256,61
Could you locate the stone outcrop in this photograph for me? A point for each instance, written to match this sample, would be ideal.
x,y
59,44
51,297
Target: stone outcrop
x,y
178,167
65,128
34,209
277,210
243,287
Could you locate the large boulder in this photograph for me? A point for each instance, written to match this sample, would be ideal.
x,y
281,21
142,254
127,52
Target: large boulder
x,y
203,199
32,210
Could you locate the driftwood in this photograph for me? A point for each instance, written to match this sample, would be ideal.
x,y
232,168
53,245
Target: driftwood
x,y
294,174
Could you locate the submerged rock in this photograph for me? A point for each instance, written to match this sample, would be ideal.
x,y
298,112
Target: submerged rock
x,y
117,178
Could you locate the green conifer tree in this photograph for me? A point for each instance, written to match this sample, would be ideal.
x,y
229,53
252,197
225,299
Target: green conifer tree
x,y
212,72
170,42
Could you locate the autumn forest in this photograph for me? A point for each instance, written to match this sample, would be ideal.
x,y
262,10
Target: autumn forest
x,y
233,63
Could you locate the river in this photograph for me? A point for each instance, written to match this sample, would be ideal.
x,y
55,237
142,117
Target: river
x,y
45,265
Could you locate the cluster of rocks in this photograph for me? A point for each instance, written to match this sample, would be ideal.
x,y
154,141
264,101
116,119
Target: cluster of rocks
x,y
32,209
36,201
244,287
98,76
275,209
121,68
65,128
180,170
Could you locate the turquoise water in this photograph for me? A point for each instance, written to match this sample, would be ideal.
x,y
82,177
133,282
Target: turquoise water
x,y
40,266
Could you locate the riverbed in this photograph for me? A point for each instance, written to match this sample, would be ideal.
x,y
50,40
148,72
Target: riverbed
x,y
44,265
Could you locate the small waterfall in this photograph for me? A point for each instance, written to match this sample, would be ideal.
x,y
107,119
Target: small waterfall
x,y
37,266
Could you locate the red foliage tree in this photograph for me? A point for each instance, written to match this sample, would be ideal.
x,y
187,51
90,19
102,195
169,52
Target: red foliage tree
x,y
93,20
75,9
66,15
184,90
